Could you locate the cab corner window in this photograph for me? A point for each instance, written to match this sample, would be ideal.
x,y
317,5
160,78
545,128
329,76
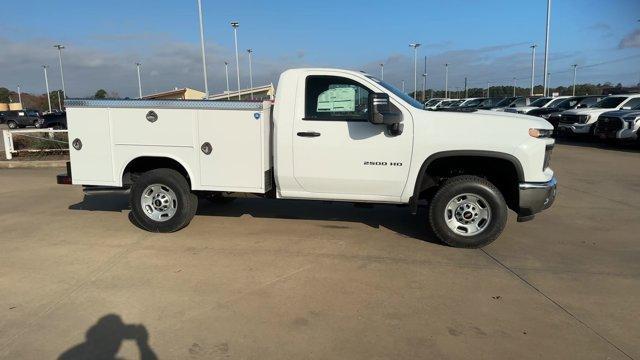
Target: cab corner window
x,y
335,98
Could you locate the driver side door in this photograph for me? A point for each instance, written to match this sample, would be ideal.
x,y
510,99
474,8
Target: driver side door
x,y
338,153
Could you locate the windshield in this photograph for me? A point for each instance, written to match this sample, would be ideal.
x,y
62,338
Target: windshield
x,y
540,102
408,99
565,103
504,102
555,102
610,102
431,102
473,102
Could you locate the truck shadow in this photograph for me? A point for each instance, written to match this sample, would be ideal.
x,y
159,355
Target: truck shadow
x,y
104,339
392,217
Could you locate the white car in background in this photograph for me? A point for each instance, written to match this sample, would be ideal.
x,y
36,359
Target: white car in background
x,y
540,103
581,121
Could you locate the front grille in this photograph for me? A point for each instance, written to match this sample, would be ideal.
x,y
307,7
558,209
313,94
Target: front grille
x,y
569,119
608,124
547,156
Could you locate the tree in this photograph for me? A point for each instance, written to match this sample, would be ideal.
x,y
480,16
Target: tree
x,y
101,94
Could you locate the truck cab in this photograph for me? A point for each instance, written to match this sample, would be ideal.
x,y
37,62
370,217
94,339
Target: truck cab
x,y
333,135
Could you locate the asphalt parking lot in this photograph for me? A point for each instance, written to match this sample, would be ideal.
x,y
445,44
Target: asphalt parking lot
x,y
267,279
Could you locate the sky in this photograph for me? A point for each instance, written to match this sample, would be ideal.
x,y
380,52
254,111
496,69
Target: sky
x,y
485,41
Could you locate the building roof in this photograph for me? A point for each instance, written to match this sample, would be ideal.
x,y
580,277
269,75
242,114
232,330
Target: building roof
x,y
176,91
256,89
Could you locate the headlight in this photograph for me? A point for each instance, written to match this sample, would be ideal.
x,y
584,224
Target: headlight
x,y
631,120
545,116
584,119
540,133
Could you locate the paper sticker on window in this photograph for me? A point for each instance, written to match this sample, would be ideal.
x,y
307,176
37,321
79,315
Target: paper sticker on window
x,y
340,99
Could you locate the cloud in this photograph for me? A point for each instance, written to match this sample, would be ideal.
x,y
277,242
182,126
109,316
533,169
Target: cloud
x,y
165,65
632,40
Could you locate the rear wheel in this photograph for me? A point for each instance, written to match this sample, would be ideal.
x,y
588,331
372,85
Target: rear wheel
x,y
12,124
161,201
468,212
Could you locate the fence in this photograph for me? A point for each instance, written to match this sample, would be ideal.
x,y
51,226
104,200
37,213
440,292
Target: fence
x,y
50,138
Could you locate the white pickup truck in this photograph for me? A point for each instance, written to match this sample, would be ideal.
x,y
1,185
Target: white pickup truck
x,y
332,135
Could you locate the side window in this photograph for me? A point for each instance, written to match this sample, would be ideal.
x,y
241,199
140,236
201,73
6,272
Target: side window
x,y
335,98
632,103
520,102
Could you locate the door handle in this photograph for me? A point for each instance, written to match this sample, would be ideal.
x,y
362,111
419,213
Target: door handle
x,y
309,134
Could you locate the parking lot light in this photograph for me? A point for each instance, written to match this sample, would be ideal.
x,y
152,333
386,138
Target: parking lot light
x,y
204,59
60,47
546,50
235,25
381,71
46,83
139,81
446,80
533,66
415,47
226,74
250,51
575,67
19,96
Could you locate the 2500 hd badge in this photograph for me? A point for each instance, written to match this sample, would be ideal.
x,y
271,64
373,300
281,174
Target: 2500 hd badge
x,y
382,163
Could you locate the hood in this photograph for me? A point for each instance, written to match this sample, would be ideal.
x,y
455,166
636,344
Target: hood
x,y
484,121
542,111
587,111
622,113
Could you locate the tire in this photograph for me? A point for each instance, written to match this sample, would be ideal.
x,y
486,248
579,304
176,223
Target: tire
x,y
12,124
168,206
473,206
35,124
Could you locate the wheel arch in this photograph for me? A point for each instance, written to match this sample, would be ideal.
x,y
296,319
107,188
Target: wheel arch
x,y
144,163
424,180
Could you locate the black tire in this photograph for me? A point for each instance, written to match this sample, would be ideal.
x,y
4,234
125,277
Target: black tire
x,y
35,124
474,185
12,124
185,209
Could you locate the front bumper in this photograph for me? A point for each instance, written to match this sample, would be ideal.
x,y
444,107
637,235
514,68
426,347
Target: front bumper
x,y
535,197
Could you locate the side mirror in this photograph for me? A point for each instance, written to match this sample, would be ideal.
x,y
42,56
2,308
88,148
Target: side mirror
x,y
378,107
581,106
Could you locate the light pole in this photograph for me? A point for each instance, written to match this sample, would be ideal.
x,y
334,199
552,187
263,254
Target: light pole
x,y
488,88
204,57
19,96
424,87
575,67
46,83
249,51
235,25
533,66
226,73
402,85
60,47
415,47
446,80
59,101
139,81
514,85
466,92
548,91
381,71
546,49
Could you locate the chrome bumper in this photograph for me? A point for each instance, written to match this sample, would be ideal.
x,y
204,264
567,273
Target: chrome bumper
x,y
535,197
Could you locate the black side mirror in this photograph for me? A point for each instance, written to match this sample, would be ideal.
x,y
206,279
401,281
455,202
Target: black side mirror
x,y
378,107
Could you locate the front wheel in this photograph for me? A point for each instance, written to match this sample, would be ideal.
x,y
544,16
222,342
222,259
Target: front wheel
x,y
161,201
468,212
12,125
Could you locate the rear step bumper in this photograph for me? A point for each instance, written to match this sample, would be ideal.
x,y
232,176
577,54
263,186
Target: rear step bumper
x,y
65,179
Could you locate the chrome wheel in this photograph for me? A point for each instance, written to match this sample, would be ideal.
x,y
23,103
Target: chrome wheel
x,y
467,214
159,202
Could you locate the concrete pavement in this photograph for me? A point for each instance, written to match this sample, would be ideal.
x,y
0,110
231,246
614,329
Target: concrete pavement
x,y
267,279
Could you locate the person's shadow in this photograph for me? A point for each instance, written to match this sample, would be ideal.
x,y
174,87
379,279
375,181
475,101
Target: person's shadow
x,y
103,341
